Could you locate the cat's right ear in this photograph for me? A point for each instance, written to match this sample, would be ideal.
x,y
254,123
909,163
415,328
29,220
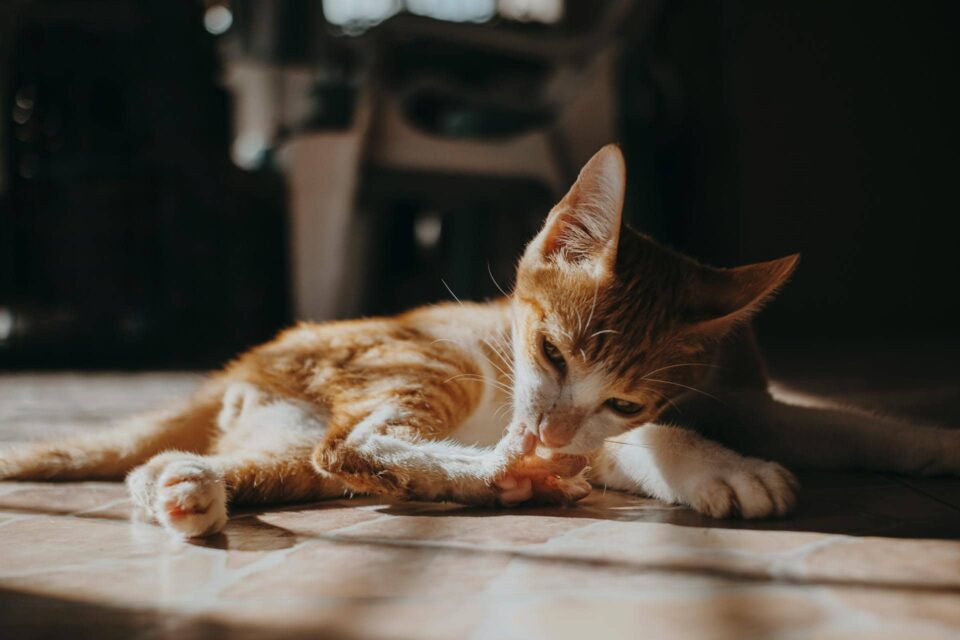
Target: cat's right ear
x,y
584,228
724,298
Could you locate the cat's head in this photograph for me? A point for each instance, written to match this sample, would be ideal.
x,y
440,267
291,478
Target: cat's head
x,y
609,327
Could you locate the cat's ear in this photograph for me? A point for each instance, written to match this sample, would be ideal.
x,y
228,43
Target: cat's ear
x,y
584,227
722,298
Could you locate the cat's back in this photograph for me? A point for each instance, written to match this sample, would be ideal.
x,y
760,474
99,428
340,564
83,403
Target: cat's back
x,y
312,356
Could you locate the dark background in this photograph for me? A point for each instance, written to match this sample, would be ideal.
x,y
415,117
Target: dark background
x,y
831,130
752,129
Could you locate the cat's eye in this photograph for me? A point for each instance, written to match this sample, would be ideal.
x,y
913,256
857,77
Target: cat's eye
x,y
552,353
624,407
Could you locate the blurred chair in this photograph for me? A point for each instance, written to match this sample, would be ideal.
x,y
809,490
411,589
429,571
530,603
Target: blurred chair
x,y
458,139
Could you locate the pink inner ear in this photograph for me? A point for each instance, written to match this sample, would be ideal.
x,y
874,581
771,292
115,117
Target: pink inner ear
x,y
585,225
572,238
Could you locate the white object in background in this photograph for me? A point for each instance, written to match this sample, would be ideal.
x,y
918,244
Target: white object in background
x,y
322,170
548,11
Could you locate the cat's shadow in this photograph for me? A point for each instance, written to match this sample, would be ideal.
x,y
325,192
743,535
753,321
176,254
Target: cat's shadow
x,y
855,511
834,503
249,532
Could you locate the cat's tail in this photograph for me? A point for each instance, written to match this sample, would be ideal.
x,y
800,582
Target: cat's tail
x,y
108,454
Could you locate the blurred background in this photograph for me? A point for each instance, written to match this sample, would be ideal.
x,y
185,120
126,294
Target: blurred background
x,y
181,178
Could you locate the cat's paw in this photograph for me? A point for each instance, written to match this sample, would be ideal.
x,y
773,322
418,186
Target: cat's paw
x,y
190,499
184,494
558,480
752,489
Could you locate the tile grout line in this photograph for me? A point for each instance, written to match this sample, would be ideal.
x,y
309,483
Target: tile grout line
x,y
905,483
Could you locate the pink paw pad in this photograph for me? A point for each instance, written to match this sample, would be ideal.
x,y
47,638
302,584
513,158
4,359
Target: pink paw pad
x,y
514,491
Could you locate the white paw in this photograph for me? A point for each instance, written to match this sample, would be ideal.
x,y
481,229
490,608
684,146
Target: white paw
x,y
190,499
753,489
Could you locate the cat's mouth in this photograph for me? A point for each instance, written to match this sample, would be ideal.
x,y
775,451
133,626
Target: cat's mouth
x,y
567,450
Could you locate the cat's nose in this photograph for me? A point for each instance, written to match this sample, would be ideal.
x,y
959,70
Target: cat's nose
x,y
555,433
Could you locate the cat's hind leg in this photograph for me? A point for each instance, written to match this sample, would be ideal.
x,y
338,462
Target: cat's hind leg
x,y
808,432
261,456
108,454
680,466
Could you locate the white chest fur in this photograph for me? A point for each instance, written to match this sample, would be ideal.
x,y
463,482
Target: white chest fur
x,y
485,426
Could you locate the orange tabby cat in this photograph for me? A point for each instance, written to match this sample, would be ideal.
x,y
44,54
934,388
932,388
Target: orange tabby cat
x,y
607,340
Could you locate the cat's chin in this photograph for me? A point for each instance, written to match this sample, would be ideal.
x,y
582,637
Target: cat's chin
x,y
572,449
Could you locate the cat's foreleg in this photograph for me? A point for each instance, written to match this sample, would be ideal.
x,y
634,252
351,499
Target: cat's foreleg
x,y
680,466
384,453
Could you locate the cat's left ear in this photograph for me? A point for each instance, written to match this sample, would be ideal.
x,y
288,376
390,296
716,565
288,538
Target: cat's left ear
x,y
722,298
584,228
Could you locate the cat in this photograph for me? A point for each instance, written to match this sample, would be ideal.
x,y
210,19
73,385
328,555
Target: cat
x,y
615,361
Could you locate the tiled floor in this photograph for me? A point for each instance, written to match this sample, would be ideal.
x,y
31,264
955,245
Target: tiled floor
x,y
867,555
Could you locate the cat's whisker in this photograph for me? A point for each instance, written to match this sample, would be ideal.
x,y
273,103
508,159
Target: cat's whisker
x,y
664,396
508,376
502,372
601,332
629,444
593,307
451,291
510,370
477,378
694,389
500,352
504,388
687,364
495,283
681,454
506,345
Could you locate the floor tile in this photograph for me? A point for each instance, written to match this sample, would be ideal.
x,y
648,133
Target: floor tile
x,y
866,555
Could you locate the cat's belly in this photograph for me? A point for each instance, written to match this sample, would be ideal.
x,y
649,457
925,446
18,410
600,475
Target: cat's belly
x,y
486,424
